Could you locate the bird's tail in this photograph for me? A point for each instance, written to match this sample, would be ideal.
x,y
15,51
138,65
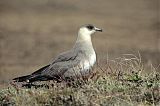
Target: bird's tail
x,y
21,79
32,77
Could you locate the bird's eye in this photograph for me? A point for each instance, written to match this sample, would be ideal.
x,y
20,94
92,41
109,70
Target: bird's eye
x,y
90,27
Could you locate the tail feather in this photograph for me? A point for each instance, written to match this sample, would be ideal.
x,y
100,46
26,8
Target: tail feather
x,y
35,76
39,78
21,79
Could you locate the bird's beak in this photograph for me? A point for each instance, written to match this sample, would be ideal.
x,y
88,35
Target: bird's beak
x,y
98,29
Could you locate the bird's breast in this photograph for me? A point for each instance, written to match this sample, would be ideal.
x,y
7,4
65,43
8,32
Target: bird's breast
x,y
88,63
92,59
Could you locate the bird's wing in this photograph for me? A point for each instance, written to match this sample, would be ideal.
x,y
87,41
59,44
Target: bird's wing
x,y
26,77
66,56
40,70
62,63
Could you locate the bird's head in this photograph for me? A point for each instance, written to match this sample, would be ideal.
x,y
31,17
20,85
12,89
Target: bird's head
x,y
89,29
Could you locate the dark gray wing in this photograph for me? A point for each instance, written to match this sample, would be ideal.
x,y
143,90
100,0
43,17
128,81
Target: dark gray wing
x,y
66,56
62,63
40,70
58,67
33,75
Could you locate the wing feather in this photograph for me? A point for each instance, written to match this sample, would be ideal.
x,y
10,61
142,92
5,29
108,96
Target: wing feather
x,y
62,63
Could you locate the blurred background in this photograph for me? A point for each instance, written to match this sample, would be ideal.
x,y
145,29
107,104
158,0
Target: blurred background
x,y
33,32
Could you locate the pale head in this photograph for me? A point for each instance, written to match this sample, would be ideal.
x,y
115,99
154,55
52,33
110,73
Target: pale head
x,y
85,32
89,29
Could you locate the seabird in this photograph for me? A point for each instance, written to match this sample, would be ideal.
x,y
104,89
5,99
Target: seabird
x,y
75,62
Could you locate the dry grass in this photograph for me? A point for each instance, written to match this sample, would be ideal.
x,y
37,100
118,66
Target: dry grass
x,y
122,82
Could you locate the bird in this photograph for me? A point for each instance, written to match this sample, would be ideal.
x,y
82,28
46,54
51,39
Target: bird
x,y
76,62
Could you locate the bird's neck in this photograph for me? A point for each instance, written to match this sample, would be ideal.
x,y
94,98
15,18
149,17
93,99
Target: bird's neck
x,y
83,42
83,38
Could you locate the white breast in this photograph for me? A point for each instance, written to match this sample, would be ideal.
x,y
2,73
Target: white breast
x,y
92,59
88,63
